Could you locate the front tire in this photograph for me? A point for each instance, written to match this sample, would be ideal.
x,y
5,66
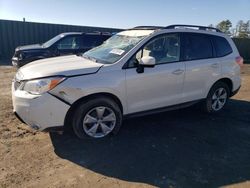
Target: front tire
x,y
97,118
217,98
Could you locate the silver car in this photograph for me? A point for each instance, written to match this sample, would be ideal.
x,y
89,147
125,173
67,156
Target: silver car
x,y
139,71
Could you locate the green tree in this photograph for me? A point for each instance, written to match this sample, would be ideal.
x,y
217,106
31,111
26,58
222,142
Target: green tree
x,y
243,29
225,26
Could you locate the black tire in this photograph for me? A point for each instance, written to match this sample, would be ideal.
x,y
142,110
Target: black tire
x,y
209,101
86,106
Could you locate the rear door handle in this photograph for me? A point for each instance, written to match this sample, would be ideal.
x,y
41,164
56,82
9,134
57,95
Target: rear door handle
x,y
178,71
215,65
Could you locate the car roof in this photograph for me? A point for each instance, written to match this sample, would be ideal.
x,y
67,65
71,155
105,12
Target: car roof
x,y
86,33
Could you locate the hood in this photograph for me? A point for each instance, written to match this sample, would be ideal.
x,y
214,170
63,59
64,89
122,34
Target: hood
x,y
30,47
65,65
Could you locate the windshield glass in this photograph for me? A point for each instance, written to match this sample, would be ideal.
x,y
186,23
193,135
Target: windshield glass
x,y
113,49
52,41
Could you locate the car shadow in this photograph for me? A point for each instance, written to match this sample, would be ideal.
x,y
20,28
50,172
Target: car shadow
x,y
182,148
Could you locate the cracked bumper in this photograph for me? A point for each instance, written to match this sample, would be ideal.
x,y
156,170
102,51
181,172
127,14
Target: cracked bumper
x,y
39,111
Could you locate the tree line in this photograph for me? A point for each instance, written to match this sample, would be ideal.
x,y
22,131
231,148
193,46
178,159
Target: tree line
x,y
241,30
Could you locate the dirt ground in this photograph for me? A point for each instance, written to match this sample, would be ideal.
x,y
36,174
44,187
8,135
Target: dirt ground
x,y
183,148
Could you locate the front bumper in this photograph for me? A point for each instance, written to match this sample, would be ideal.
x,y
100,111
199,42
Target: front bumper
x,y
17,62
40,112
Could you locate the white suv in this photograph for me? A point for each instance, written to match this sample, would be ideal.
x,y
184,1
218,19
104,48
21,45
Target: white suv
x,y
137,71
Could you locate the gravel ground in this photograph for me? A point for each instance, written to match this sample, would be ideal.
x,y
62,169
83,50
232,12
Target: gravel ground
x,y
183,148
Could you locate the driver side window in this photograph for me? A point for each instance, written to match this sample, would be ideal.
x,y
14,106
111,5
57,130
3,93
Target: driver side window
x,y
164,48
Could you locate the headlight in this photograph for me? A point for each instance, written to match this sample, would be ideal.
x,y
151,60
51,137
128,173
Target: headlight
x,y
40,86
21,56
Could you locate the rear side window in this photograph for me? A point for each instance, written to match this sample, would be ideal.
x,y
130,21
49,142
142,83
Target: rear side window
x,y
90,41
197,46
69,42
222,47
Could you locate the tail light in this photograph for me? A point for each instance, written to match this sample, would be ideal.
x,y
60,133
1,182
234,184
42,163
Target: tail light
x,y
239,60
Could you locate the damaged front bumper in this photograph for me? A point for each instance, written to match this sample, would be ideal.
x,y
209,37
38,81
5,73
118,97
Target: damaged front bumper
x,y
40,112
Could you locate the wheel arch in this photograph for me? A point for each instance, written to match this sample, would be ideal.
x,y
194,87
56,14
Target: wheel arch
x,y
225,80
73,107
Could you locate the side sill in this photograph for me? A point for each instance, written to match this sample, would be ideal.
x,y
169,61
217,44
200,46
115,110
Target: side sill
x,y
159,110
54,129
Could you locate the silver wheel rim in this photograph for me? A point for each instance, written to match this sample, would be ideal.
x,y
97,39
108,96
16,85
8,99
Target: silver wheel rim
x,y
219,99
99,121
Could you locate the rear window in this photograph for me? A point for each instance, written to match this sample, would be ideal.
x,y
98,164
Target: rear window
x,y
222,47
197,46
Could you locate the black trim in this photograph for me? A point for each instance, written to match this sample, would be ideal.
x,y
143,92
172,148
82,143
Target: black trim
x,y
235,92
60,99
18,117
162,109
182,39
54,129
213,45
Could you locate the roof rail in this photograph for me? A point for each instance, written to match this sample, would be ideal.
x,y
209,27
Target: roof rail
x,y
193,26
146,27
205,28
97,33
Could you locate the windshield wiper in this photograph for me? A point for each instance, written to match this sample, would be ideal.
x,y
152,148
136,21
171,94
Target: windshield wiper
x,y
90,58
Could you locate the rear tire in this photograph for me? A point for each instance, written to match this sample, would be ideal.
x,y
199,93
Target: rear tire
x,y
217,98
97,118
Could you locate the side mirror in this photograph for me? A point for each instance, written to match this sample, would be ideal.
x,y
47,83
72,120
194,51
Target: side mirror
x,y
146,61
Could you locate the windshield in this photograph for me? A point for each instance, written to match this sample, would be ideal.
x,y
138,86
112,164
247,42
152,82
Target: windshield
x,y
52,41
113,49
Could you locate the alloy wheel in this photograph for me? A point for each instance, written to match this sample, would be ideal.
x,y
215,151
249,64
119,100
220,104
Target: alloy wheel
x,y
99,122
219,99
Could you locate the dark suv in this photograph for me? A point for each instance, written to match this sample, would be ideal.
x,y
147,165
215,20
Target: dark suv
x,y
62,44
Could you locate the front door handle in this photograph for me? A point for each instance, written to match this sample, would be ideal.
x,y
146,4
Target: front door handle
x,y
178,71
